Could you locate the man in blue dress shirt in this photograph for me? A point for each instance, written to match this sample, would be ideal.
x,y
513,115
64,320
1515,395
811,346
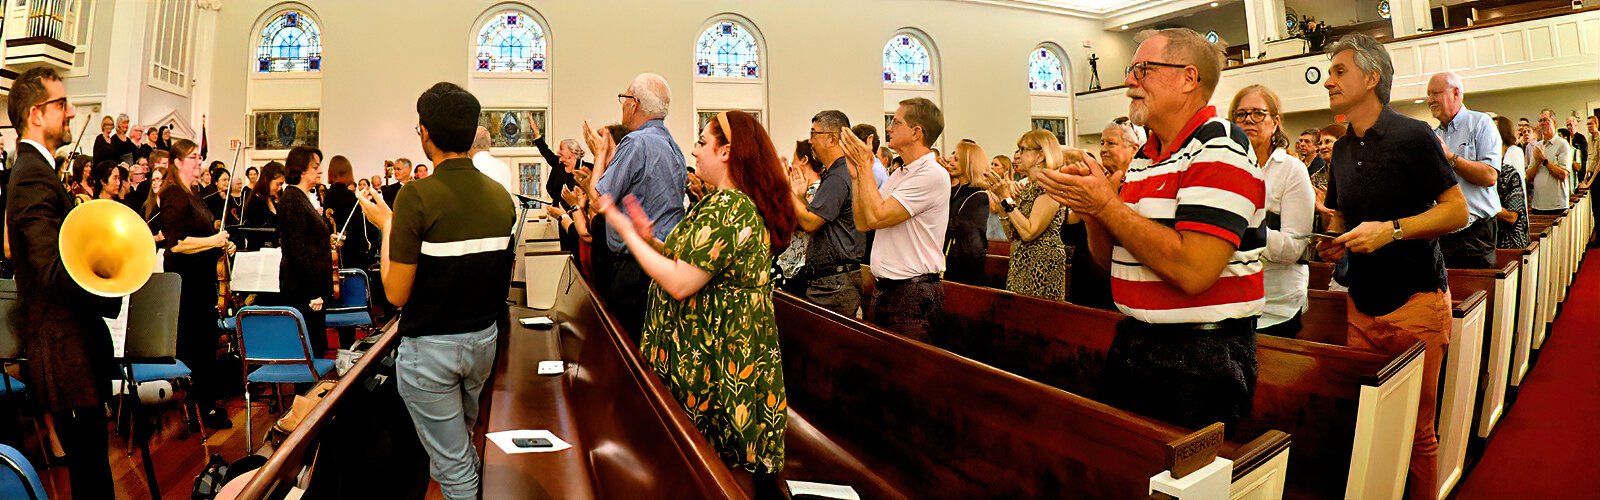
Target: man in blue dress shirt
x,y
1472,148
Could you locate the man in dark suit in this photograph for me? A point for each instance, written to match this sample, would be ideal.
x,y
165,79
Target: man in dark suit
x,y
402,175
59,323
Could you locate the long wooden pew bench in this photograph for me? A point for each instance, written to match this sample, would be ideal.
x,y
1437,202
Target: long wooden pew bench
x,y
1349,411
629,437
1458,377
897,418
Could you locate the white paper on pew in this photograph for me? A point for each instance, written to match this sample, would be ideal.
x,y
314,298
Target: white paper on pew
x,y
503,440
797,488
257,271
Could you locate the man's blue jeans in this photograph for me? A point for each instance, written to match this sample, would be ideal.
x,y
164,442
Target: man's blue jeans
x,y
440,377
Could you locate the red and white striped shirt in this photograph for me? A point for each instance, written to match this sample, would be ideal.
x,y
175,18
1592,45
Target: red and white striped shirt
x,y
1210,184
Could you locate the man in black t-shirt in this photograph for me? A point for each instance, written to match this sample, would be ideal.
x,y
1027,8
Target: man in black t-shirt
x,y
832,271
1390,185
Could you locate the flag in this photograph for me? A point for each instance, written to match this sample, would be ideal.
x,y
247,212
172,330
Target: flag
x,y
203,146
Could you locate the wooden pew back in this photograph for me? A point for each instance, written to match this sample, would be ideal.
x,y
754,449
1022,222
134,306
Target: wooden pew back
x,y
899,418
1307,389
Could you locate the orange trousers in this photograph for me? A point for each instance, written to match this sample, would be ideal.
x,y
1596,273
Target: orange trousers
x,y
1424,317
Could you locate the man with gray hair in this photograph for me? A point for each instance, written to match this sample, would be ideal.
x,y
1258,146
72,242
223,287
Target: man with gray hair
x,y
1472,149
832,272
487,163
649,167
1183,241
401,169
1549,169
1391,186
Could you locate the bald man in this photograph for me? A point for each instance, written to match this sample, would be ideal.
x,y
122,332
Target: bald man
x,y
1472,148
488,164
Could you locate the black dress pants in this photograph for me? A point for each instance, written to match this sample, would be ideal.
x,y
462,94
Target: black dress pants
x,y
1189,375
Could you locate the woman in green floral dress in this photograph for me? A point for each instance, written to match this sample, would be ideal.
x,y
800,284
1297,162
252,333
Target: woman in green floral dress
x,y
709,330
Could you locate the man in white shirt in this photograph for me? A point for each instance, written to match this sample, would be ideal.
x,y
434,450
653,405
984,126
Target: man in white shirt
x,y
910,213
1549,169
489,165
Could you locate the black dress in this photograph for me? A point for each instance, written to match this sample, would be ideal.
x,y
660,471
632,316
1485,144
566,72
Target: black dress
x,y
1087,283
966,242
183,215
307,269
259,226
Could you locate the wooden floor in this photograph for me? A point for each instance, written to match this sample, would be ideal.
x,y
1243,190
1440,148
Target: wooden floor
x,y
179,454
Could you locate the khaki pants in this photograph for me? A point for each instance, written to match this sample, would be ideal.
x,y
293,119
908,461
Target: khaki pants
x,y
1424,317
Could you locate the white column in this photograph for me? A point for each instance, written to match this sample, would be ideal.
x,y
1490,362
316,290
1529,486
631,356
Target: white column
x,y
203,58
1253,27
1409,17
126,68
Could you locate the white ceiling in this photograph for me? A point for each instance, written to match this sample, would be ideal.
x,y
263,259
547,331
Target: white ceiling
x,y
1112,12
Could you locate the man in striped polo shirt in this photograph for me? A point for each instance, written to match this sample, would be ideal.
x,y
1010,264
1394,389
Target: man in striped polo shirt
x,y
1183,242
446,260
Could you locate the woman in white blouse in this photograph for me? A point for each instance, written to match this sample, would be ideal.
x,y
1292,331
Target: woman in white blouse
x,y
1289,209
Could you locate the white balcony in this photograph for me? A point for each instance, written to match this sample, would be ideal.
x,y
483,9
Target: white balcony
x,y
1549,51
41,34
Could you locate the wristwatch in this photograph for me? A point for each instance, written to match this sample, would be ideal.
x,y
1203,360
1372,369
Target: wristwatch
x,y
1006,205
1398,234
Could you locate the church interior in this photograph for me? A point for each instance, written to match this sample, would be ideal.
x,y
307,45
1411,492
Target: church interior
x,y
506,249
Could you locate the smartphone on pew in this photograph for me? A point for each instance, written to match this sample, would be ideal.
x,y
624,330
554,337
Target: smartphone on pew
x,y
531,442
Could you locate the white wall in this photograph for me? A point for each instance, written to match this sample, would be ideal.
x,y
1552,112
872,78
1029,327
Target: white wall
x,y
378,56
1337,12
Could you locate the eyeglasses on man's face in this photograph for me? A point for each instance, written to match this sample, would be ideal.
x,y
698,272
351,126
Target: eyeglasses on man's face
x,y
623,98
59,100
1142,68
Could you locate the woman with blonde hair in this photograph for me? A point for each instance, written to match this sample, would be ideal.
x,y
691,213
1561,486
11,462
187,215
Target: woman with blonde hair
x,y
1038,263
1290,202
965,242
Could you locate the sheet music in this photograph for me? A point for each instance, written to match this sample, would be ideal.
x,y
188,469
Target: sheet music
x,y
822,490
119,329
257,271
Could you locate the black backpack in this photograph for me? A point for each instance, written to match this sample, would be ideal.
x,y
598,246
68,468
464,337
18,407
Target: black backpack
x,y
218,472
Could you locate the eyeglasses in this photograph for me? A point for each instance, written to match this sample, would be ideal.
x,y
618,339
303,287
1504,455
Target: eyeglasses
x,y
816,133
1141,68
623,98
1020,150
1250,116
61,100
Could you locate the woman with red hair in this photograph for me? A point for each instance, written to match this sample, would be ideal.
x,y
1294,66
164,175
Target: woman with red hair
x,y
709,330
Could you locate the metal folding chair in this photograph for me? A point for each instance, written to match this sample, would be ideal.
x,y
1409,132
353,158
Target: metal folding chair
x,y
275,338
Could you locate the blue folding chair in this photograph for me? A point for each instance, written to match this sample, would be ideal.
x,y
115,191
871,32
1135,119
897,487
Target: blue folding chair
x,y
11,354
18,479
354,307
275,338
150,348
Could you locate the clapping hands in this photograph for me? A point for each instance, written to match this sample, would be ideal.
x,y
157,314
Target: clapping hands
x,y
1084,187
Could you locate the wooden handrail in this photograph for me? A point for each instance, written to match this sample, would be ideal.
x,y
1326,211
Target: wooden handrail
x,y
286,459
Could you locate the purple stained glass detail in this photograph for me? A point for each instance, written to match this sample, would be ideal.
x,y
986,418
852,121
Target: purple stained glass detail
x,y
1045,71
906,61
727,50
291,42
511,44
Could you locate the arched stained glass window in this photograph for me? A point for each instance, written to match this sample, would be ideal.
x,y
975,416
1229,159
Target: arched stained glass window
x,y
291,42
1044,71
906,61
727,50
511,42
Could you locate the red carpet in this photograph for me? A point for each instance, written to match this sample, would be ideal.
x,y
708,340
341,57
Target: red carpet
x,y
1548,446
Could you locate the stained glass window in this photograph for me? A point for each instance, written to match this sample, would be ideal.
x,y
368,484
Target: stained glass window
x,y
906,61
1212,37
291,42
727,50
511,42
1383,9
1044,71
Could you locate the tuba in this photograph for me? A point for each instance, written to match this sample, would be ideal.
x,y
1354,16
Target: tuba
x,y
106,248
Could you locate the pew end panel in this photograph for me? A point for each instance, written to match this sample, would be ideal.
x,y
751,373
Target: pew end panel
x,y
1385,426
1260,467
1527,314
1458,397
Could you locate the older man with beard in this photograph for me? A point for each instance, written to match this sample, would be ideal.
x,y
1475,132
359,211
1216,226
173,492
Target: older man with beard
x,y
1183,242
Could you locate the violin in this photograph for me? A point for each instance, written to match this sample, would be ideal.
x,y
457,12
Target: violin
x,y
224,265
333,246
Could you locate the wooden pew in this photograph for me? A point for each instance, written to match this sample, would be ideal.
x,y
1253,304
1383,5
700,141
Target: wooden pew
x,y
896,418
1458,374
1499,334
1351,411
630,438
1527,315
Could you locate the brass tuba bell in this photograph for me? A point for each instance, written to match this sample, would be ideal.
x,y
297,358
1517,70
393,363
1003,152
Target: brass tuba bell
x,y
107,248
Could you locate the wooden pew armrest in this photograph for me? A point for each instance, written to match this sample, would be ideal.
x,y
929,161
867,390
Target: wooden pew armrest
x,y
1394,367
1252,455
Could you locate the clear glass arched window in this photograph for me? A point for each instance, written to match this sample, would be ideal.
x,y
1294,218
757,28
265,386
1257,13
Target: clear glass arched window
x,y
906,61
727,50
512,41
290,43
1044,71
